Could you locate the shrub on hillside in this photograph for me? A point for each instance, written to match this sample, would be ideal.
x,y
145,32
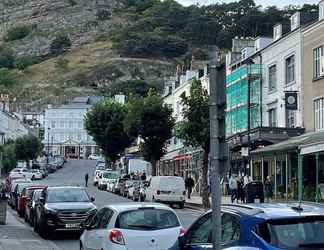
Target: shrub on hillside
x,y
60,44
103,15
7,58
6,77
17,32
25,61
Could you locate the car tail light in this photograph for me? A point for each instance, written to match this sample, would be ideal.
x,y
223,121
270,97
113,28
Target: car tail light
x,y
182,231
158,192
116,236
184,192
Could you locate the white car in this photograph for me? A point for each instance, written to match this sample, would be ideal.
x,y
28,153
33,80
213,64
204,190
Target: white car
x,y
96,177
21,172
94,157
106,177
37,175
166,189
131,226
110,185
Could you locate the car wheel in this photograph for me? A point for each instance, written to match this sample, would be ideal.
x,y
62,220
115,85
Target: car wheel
x,y
181,205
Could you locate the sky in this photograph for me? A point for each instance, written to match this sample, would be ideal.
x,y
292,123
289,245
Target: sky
x,y
279,3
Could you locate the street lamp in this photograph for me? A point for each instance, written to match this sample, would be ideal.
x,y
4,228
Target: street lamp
x,y
48,138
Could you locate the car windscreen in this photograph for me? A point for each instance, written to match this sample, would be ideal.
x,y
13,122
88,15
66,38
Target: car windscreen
x,y
300,233
110,175
37,193
67,195
21,186
147,219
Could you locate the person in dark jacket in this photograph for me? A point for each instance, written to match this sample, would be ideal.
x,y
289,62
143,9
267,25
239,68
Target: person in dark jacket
x,y
189,183
143,176
86,178
240,190
268,188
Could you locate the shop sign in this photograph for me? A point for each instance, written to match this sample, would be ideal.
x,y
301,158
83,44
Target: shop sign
x,y
312,149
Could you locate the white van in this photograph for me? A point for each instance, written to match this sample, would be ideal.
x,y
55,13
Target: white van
x,y
166,189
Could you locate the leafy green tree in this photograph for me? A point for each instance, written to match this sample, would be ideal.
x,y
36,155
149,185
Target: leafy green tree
x,y
151,120
130,87
194,129
60,44
17,32
6,77
104,122
24,62
27,148
9,160
7,58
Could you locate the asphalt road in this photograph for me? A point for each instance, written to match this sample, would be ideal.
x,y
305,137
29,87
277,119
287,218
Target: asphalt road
x,y
73,174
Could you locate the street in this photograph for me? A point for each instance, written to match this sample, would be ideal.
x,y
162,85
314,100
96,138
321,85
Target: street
x,y
73,174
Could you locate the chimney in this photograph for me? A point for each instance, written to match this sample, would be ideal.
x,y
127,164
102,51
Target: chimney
x,y
277,32
295,21
321,9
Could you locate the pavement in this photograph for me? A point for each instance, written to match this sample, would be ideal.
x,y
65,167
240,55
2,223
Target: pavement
x,y
195,202
16,235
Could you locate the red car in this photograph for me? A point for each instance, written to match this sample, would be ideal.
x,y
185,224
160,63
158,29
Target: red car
x,y
25,195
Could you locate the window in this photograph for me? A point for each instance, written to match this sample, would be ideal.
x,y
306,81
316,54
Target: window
x,y
272,117
291,118
317,61
53,124
105,219
201,231
230,228
290,69
272,77
319,114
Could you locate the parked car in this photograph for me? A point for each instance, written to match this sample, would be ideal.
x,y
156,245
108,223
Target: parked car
x,y
166,189
260,226
124,188
13,194
96,176
32,201
118,185
62,208
24,196
51,168
94,157
37,174
16,173
17,192
111,184
135,226
105,177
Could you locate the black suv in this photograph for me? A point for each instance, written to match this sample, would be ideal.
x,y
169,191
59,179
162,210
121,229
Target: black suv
x,y
62,208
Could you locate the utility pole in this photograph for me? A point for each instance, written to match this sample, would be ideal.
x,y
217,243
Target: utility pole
x,y
218,147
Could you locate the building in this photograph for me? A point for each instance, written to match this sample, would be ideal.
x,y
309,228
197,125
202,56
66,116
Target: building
x,y
64,129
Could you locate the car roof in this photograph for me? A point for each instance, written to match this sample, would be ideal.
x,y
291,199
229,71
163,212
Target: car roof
x,y
36,187
270,211
63,187
128,206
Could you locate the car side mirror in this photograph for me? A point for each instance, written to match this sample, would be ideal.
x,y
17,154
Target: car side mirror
x,y
92,199
182,242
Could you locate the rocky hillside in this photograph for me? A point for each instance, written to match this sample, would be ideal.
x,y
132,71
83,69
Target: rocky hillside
x,y
87,67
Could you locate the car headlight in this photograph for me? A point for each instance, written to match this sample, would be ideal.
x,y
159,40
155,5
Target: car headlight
x,y
50,211
92,211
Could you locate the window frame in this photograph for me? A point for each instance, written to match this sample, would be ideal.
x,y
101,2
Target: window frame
x,y
318,105
272,87
288,66
291,114
317,59
271,122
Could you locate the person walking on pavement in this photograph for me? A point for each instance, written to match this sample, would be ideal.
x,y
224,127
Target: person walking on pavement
x,y
86,178
189,183
240,190
268,188
233,188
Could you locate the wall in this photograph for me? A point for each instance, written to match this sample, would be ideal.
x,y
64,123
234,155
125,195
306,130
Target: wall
x,y
277,54
313,37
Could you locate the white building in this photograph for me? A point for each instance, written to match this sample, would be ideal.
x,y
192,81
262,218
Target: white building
x,y
64,129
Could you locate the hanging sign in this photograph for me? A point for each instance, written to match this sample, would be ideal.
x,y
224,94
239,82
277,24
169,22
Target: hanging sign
x,y
291,100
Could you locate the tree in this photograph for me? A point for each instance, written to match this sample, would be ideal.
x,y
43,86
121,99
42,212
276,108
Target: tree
x,y
130,87
104,122
17,32
152,121
27,148
60,44
9,160
194,129
7,77
7,58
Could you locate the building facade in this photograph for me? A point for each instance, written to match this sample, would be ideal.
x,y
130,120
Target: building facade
x,y
64,129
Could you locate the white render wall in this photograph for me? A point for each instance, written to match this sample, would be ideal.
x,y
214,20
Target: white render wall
x,y
277,54
11,126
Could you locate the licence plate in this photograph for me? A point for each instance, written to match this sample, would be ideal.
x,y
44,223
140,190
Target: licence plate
x,y
256,200
165,192
75,225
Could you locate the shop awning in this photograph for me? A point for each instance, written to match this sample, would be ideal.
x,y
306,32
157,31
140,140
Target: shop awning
x,y
292,144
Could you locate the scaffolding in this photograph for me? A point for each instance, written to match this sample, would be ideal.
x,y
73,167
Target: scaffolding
x,y
237,98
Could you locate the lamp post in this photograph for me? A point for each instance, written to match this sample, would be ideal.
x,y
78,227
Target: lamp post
x,y
48,138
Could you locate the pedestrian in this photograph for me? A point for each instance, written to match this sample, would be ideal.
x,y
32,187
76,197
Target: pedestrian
x,y
189,184
143,176
268,188
240,190
246,180
86,178
233,188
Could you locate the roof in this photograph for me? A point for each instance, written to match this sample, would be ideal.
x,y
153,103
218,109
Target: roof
x,y
127,206
292,144
64,187
277,210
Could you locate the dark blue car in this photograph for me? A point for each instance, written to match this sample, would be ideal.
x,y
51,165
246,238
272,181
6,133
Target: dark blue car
x,y
260,226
